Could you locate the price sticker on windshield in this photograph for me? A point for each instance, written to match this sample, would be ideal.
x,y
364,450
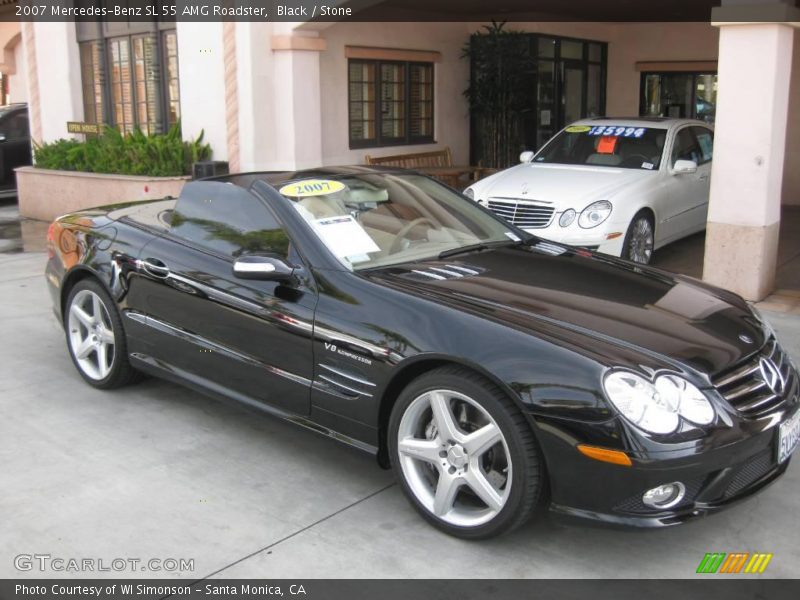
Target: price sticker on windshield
x,y
311,187
618,131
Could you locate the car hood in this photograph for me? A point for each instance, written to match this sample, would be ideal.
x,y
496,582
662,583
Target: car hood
x,y
567,186
606,300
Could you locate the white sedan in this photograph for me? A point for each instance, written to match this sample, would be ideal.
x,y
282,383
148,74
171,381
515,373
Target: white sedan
x,y
620,186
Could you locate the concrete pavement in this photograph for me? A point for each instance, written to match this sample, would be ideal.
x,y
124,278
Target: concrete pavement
x,y
157,471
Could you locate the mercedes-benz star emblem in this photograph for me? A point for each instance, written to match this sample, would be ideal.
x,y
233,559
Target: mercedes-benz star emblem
x,y
772,375
746,338
524,189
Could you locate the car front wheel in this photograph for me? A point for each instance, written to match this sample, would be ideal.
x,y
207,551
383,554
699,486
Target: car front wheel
x,y
95,337
464,454
640,239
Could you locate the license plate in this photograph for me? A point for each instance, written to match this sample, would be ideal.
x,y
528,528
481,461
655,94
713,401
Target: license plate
x,y
788,437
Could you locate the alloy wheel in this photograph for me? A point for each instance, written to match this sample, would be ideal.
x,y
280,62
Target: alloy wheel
x,y
91,335
641,241
454,458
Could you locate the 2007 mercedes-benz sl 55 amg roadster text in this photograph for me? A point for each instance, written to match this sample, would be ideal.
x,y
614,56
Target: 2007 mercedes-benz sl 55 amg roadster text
x,y
493,371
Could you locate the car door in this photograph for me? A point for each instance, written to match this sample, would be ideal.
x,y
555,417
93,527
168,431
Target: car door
x,y
705,140
686,200
248,339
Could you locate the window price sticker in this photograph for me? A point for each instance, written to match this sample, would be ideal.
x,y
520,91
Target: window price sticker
x,y
618,131
345,237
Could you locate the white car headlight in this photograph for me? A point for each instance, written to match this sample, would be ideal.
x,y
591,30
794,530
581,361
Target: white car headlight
x,y
657,407
469,193
567,217
594,214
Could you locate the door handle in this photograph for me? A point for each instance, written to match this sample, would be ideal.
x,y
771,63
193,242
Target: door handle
x,y
155,267
703,177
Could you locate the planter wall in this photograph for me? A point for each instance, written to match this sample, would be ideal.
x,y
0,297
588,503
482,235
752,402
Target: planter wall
x,y
46,193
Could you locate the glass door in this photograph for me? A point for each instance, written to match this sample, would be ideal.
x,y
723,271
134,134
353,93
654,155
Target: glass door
x,y
573,91
546,114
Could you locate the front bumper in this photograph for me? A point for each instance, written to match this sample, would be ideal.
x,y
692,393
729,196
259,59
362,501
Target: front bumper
x,y
715,477
595,239
709,501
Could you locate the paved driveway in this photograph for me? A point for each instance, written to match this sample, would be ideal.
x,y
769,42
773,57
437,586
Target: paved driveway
x,y
155,471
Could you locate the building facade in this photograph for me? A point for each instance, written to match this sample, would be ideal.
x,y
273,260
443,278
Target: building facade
x,y
279,96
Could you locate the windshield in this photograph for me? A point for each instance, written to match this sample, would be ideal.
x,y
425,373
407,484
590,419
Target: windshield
x,y
616,146
380,219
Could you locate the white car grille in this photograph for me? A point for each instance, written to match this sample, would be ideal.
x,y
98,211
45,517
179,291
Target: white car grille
x,y
522,213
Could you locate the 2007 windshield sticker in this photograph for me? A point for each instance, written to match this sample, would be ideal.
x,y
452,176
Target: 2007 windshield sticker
x,y
311,187
617,131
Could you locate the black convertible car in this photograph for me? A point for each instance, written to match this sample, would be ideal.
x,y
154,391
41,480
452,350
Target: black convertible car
x,y
492,370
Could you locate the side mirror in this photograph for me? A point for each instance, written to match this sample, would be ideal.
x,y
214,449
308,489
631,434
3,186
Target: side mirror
x,y
2,137
526,156
263,267
684,167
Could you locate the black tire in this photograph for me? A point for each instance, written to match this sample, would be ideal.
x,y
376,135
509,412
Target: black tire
x,y
634,248
121,372
522,449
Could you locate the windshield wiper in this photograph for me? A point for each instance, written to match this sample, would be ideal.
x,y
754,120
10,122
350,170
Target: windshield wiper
x,y
477,247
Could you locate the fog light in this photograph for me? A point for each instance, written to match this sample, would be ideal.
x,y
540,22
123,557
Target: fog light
x,y
665,496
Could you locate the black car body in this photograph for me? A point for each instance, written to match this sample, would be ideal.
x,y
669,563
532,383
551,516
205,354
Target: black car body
x,y
15,145
541,323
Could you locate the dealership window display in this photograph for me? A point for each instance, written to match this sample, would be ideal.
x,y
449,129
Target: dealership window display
x,y
679,95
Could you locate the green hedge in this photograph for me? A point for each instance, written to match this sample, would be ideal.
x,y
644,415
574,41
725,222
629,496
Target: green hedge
x,y
158,155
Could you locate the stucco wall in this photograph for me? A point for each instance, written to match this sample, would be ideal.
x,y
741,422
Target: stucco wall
x,y
255,78
640,42
628,44
18,82
791,169
58,77
451,114
200,64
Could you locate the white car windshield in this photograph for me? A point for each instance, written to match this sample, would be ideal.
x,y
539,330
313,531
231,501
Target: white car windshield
x,y
379,219
618,146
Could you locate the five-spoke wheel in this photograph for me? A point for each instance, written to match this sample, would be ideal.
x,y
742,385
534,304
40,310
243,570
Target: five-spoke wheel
x,y
464,454
95,336
91,336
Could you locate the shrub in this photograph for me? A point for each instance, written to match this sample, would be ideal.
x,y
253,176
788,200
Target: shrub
x,y
158,155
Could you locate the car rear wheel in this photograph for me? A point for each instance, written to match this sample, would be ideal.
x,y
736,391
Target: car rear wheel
x,y
95,337
464,454
640,239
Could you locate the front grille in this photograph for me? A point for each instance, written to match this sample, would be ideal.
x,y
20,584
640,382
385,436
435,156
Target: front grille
x,y
746,388
750,472
522,213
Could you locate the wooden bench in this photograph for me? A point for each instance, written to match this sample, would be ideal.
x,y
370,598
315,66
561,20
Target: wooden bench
x,y
437,163
416,160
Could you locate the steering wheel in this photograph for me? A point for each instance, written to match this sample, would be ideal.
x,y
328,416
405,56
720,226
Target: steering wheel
x,y
635,159
401,235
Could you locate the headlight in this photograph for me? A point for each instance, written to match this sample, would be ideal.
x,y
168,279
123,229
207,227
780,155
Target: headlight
x,y
594,214
657,407
469,193
690,402
567,217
